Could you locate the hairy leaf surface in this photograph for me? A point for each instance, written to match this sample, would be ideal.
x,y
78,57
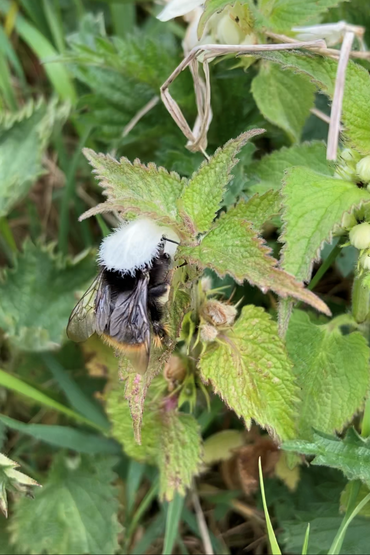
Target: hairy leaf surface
x,y
332,372
202,196
38,295
233,247
282,15
351,454
251,371
356,92
74,513
314,205
284,98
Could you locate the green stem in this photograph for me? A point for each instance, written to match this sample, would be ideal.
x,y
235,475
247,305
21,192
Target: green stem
x,y
365,430
325,266
144,505
360,300
7,234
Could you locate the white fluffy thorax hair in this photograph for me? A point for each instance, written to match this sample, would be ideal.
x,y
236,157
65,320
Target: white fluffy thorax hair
x,y
133,245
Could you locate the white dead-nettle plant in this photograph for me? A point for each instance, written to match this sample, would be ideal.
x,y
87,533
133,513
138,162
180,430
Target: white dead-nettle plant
x,y
222,28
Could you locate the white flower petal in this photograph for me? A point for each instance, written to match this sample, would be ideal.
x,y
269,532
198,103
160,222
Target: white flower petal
x,y
176,8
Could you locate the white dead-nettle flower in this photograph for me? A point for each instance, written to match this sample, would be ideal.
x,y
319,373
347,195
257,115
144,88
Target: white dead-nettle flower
x,y
177,8
332,33
134,245
363,169
364,261
360,236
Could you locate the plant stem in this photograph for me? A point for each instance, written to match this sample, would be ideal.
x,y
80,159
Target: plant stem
x,y
325,266
360,300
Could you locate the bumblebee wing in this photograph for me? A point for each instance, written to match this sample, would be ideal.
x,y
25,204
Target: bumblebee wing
x,y
130,326
82,322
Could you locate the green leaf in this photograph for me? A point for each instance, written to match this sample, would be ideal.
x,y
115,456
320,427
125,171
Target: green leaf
x,y
169,439
314,206
284,98
15,384
251,371
173,519
345,497
233,247
324,362
282,15
145,190
24,136
351,454
77,506
269,171
356,92
64,437
261,208
38,296
203,195
179,455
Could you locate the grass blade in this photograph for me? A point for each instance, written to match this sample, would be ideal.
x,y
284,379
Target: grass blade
x,y
123,18
275,549
52,14
152,532
77,398
174,511
134,477
336,546
56,71
306,538
15,384
64,437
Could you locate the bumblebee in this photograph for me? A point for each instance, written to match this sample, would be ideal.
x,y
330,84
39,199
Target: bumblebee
x,y
125,302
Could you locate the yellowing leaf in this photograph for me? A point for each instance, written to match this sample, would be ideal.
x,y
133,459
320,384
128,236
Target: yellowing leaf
x,y
332,372
284,98
145,190
314,205
251,371
233,247
202,196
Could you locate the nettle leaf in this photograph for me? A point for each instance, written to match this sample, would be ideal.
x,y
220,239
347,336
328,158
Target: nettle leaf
x,y
119,414
351,454
38,294
260,208
282,15
204,193
214,6
332,373
270,170
169,439
314,205
284,98
74,513
233,247
24,136
356,98
179,456
252,373
145,190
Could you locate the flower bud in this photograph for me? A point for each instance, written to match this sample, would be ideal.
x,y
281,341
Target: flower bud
x,y
228,31
364,261
219,314
208,333
348,221
360,236
363,169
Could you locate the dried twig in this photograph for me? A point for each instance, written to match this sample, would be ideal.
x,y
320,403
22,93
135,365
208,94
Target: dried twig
x,y
203,529
336,110
129,127
197,137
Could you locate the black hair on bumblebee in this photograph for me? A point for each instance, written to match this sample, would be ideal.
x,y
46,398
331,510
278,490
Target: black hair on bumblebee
x,y
125,303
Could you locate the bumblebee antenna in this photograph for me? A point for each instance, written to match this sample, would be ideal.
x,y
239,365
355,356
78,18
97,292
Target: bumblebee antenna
x,y
170,240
